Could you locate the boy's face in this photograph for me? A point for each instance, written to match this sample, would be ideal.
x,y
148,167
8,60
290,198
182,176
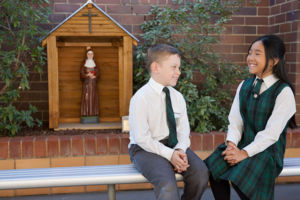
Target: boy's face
x,y
167,70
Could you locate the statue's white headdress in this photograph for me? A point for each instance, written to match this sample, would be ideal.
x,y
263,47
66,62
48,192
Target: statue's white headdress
x,y
89,63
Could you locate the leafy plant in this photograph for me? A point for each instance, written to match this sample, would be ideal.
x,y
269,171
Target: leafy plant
x,y
20,29
194,27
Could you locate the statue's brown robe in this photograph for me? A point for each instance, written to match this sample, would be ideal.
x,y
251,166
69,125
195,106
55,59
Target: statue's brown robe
x,y
89,99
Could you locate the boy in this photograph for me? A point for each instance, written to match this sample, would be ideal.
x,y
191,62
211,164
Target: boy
x,y
159,130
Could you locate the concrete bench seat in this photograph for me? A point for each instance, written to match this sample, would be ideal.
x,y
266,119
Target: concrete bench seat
x,y
291,167
73,176
94,175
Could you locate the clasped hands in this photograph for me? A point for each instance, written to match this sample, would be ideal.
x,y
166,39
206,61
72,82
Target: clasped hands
x,y
91,75
233,155
179,161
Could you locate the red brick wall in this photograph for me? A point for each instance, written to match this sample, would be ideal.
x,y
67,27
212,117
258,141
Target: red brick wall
x,y
100,149
247,23
280,17
37,95
284,21
62,146
269,16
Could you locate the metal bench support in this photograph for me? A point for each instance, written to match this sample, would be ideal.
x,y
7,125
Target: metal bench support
x,y
111,192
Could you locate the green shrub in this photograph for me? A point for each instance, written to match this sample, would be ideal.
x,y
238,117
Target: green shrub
x,y
194,27
20,29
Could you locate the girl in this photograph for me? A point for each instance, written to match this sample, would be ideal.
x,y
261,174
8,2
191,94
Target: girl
x,y
263,108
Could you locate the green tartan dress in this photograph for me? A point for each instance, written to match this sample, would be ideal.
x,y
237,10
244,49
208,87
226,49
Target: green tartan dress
x,y
254,176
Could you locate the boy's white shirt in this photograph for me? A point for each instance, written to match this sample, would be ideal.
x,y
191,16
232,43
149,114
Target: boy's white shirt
x,y
148,123
284,109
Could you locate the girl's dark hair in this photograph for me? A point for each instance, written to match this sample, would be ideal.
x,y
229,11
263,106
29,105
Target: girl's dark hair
x,y
275,48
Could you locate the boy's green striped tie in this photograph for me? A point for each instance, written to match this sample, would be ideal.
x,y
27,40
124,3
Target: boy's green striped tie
x,y
172,141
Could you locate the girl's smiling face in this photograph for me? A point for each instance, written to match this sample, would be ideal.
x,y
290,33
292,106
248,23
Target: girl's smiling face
x,y
256,60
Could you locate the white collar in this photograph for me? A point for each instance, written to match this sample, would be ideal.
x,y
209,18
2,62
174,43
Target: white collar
x,y
156,86
89,63
269,80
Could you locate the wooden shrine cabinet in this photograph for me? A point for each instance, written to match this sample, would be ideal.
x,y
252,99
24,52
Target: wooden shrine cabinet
x,y
89,26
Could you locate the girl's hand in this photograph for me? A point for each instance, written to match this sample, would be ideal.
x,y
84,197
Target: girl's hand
x,y
233,155
230,146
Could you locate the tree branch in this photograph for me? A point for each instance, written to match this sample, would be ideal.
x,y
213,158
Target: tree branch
x,y
2,2
16,67
8,24
5,27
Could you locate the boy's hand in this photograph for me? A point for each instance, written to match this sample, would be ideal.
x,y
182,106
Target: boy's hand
x,y
179,161
183,156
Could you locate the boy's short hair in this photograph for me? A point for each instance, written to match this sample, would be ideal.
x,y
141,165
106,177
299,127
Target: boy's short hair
x,y
156,52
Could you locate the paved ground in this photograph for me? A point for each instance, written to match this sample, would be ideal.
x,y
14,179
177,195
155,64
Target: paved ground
x,y
282,192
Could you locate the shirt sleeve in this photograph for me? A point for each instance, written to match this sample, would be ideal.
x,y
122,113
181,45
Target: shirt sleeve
x,y
235,127
284,109
183,128
140,131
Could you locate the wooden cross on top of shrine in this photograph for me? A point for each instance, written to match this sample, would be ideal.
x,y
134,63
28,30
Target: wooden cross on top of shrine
x,y
90,15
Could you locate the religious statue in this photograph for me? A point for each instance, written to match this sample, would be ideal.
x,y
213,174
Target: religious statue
x,y
89,99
